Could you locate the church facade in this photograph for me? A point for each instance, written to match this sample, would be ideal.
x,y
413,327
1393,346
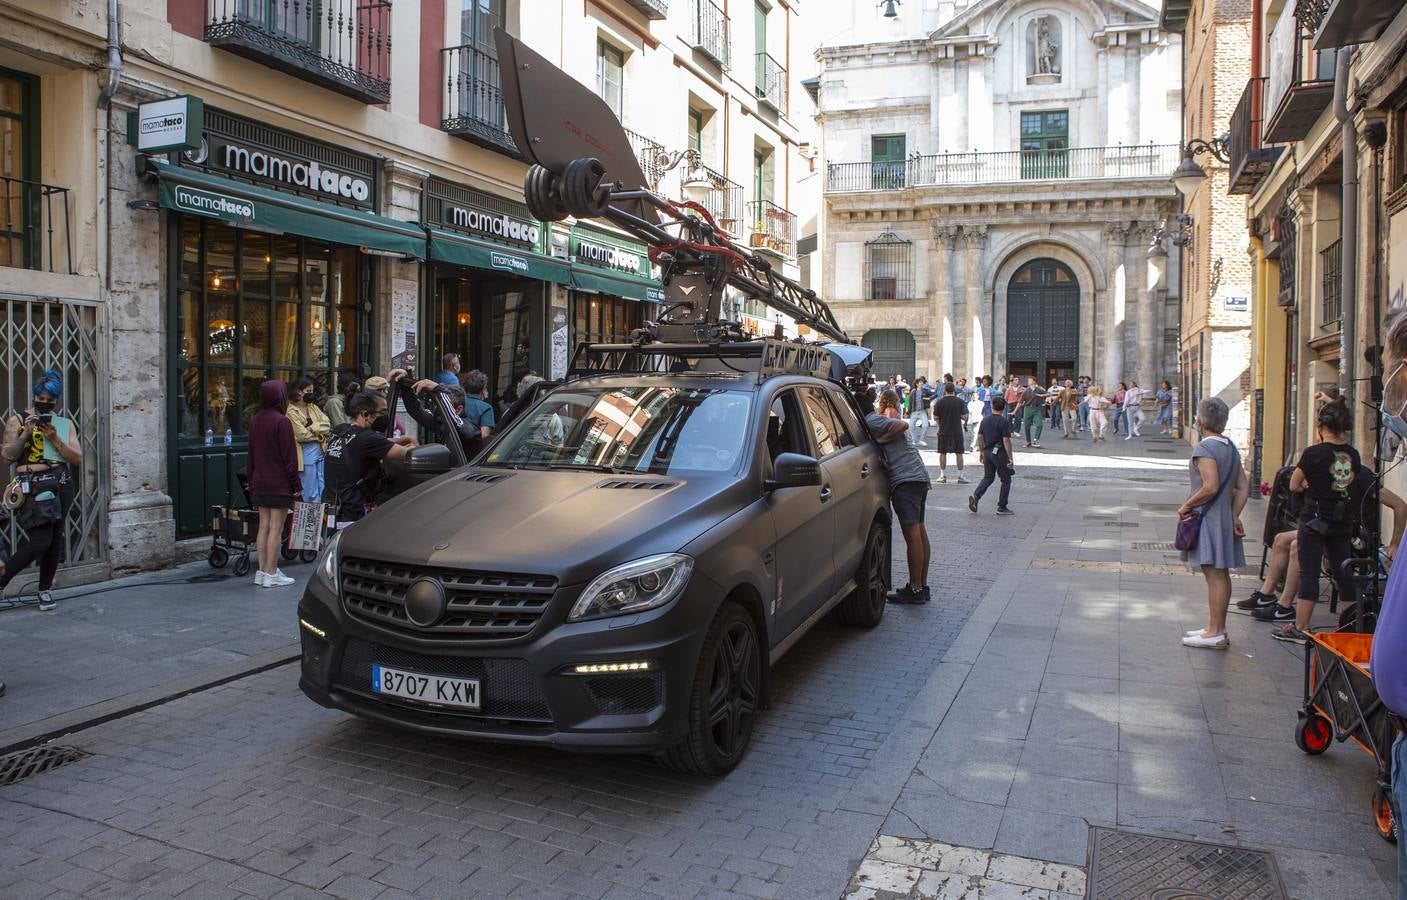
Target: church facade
x,y
997,195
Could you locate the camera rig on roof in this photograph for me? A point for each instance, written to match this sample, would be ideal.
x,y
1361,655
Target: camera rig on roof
x,y
582,165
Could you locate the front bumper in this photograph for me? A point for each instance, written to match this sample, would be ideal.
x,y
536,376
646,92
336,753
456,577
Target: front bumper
x,y
529,693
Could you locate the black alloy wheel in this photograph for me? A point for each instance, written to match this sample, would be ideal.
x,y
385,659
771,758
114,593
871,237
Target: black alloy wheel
x,y
725,698
865,605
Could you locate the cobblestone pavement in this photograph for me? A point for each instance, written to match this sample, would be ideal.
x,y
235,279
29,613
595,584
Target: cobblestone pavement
x,y
248,789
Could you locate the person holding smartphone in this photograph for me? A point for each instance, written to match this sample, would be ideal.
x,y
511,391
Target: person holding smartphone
x,y
44,448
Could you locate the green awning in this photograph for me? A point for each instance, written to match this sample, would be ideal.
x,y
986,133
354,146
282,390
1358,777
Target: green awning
x,y
597,281
200,193
461,250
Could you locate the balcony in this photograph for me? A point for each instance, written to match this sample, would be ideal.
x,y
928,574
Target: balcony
x,y
653,9
1250,159
1010,166
342,45
651,155
1349,22
1331,287
1299,85
725,199
708,30
771,83
473,98
773,229
34,227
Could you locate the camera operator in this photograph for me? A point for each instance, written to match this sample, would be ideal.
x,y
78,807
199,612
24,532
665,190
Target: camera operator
x,y
354,454
44,448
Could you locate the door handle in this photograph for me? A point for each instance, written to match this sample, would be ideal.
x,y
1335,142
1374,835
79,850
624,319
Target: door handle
x,y
825,493
865,471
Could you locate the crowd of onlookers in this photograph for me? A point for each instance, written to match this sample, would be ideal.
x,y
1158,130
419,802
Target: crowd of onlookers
x,y
1074,406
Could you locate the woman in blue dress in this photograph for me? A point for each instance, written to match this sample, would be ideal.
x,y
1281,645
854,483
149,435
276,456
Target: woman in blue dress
x,y
1164,398
1220,490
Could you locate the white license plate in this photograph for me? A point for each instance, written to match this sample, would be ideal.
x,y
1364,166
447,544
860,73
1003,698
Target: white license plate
x,y
437,689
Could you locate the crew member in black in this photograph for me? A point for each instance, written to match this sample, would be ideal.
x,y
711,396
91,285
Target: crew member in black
x,y
354,454
994,439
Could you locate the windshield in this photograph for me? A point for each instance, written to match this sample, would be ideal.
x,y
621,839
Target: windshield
x,y
662,430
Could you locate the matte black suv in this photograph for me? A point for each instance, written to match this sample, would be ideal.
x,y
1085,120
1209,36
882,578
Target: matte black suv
x,y
608,574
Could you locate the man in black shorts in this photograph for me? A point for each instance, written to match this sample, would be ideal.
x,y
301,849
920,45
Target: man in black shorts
x,y
951,413
994,440
908,485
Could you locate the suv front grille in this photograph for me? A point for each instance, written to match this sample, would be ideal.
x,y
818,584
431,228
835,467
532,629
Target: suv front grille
x,y
508,687
479,605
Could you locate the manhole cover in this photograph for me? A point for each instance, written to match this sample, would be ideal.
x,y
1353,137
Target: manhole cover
x,y
1151,545
1125,864
16,767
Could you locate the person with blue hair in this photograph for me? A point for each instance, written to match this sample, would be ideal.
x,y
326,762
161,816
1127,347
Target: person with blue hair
x,y
44,448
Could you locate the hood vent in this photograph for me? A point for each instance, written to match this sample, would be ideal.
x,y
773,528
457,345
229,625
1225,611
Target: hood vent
x,y
637,485
487,477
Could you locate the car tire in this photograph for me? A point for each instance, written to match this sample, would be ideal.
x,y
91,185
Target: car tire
x,y
724,699
864,606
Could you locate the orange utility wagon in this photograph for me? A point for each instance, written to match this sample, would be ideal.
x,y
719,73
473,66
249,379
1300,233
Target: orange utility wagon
x,y
1341,703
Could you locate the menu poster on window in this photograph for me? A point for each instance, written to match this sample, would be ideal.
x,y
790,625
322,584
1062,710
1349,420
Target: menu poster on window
x,y
559,345
404,296
1397,261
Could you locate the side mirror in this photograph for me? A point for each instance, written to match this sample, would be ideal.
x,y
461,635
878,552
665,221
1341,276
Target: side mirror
x,y
791,470
428,461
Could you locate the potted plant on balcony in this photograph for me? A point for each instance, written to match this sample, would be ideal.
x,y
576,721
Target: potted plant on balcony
x,y
759,234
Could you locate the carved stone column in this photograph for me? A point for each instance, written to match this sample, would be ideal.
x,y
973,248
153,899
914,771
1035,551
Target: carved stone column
x,y
1136,242
1116,303
972,336
1150,318
946,299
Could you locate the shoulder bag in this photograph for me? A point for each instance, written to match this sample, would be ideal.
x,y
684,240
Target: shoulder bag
x,y
1189,527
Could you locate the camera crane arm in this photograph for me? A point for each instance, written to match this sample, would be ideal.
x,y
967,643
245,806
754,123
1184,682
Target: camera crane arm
x,y
583,166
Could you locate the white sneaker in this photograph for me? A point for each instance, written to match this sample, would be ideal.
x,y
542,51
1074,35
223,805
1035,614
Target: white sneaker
x,y
962,480
1202,642
259,577
278,579
1194,633
1129,436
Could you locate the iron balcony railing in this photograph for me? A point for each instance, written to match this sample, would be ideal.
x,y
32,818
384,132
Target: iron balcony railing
x,y
771,82
1251,160
708,30
773,228
652,156
1299,84
342,45
1331,286
34,227
473,98
725,198
1083,163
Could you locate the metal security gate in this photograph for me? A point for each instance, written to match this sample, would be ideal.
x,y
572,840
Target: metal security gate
x,y
39,334
893,352
1043,321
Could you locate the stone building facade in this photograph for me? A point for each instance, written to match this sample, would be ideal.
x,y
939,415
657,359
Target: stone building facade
x,y
166,285
997,189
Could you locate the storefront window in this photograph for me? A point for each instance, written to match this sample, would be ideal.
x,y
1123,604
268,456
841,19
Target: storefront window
x,y
250,307
489,322
602,319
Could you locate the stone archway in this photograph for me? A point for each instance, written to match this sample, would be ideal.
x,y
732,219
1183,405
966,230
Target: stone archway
x,y
1091,283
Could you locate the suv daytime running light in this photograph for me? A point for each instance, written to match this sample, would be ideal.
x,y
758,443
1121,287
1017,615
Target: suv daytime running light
x,y
312,628
601,668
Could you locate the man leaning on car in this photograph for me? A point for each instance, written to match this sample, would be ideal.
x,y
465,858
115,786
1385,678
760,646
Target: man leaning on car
x,y
908,486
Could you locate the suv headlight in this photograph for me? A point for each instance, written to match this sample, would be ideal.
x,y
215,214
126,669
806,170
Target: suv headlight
x,y
329,563
634,587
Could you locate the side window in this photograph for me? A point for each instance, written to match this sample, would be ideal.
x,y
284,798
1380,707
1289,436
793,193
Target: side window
x,y
824,428
784,432
852,429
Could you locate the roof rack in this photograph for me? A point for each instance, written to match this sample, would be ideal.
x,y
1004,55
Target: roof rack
x,y
761,358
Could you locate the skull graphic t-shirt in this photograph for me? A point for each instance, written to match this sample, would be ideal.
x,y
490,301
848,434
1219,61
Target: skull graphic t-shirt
x,y
1329,469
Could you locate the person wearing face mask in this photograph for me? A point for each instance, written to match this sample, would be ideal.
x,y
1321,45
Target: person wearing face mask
x,y
310,430
354,454
1388,659
274,482
44,448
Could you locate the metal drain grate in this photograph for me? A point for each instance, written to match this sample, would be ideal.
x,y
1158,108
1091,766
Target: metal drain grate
x,y
1124,864
1120,524
1151,545
16,767
1159,507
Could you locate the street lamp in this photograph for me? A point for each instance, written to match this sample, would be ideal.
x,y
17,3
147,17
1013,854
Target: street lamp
x,y
696,186
1187,177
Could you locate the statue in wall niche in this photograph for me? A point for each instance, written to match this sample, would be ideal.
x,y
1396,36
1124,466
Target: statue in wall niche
x,y
1047,46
